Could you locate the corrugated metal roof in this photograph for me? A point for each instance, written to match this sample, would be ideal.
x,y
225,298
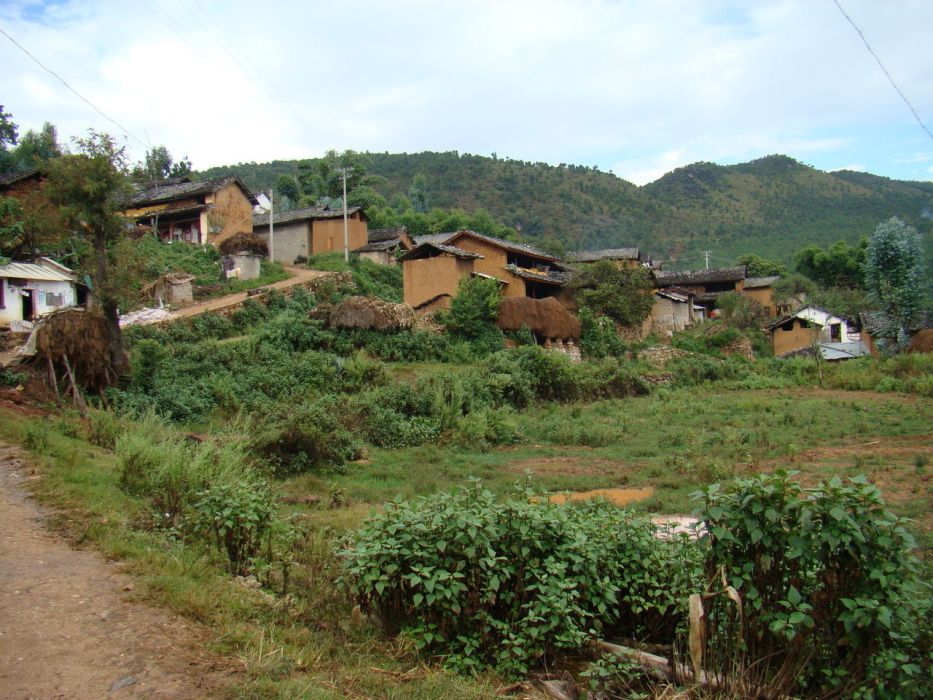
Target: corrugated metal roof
x,y
30,271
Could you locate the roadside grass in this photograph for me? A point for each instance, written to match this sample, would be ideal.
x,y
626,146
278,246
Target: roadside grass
x,y
306,647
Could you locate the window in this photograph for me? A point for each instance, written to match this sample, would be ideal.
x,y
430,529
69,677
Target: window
x,y
2,290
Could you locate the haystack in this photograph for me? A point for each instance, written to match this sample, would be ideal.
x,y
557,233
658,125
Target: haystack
x,y
371,313
71,347
244,243
922,341
546,318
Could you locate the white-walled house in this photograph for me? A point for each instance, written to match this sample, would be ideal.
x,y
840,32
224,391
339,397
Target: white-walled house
x,y
809,326
31,290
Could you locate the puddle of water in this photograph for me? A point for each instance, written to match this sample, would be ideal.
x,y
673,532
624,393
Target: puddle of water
x,y
620,497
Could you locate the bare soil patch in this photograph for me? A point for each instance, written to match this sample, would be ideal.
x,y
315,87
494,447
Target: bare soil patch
x,y
619,497
573,465
70,628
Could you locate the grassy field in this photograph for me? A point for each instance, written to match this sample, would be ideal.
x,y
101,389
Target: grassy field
x,y
306,645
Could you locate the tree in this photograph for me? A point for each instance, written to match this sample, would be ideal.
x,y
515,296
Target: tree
x,y
7,139
287,186
91,187
841,265
418,193
36,148
895,276
740,311
622,294
757,266
473,312
159,165
323,177
793,291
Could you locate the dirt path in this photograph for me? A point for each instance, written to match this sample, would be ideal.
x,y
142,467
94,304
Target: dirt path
x,y
67,626
298,276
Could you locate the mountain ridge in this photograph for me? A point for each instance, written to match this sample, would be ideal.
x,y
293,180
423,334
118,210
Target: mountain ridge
x,y
772,206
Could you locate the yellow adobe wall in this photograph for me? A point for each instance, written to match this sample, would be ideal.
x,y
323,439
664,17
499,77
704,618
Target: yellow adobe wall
x,y
493,263
231,211
763,296
427,277
327,234
796,338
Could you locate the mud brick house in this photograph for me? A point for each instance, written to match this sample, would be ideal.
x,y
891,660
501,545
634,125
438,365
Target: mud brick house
x,y
759,289
385,245
300,233
707,285
622,257
202,213
432,270
810,327
673,311
877,332
20,185
28,291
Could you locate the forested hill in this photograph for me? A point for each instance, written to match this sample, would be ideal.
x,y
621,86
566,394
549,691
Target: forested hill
x,y
772,206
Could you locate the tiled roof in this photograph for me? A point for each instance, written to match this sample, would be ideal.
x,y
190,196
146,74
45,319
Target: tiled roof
x,y
502,243
877,322
433,238
379,246
9,179
549,276
759,282
607,254
695,277
418,250
378,235
306,214
673,294
181,188
171,212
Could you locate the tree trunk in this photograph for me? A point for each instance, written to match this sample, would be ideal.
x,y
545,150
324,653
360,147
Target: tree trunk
x,y
108,305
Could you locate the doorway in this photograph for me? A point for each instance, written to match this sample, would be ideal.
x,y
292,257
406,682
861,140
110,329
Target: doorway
x,y
29,306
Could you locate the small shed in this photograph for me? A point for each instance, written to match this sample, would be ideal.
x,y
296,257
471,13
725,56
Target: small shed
x,y
385,245
31,290
242,265
173,288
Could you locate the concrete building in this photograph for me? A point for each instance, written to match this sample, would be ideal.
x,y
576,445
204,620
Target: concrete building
x,y
28,290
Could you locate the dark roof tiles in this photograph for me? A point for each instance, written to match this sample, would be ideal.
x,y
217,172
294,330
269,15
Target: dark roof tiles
x,y
690,278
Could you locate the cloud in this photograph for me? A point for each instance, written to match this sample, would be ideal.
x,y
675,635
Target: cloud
x,y
639,87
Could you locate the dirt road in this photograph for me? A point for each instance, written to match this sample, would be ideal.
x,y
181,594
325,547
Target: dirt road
x,y
299,275
67,626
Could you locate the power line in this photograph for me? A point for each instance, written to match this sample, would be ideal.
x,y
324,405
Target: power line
x,y
885,70
77,94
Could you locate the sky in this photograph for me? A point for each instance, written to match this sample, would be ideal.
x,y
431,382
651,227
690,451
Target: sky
x,y
633,87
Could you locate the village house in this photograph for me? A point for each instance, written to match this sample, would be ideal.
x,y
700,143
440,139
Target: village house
x,y
21,184
301,233
758,289
31,290
809,328
876,330
202,213
432,270
674,310
622,257
707,285
385,245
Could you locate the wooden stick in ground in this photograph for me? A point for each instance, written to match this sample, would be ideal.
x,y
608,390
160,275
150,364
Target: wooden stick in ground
x,y
79,397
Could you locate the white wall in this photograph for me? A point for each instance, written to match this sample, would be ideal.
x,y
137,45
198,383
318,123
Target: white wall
x,y
13,300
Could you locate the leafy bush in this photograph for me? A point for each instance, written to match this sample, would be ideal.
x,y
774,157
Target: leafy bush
x,y
475,308
824,575
102,430
298,438
503,584
622,294
598,336
236,513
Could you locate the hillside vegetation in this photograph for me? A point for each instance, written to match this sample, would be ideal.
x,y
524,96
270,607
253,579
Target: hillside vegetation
x,y
772,206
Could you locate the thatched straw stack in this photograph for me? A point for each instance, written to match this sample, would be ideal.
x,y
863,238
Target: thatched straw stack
x,y
371,313
71,345
922,342
243,243
546,318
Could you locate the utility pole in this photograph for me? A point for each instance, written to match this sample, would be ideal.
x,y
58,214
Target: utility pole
x,y
271,229
344,171
706,255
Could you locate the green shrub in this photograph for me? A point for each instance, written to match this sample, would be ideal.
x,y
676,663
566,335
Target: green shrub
x,y
235,511
297,438
824,575
598,336
102,430
503,584
36,436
